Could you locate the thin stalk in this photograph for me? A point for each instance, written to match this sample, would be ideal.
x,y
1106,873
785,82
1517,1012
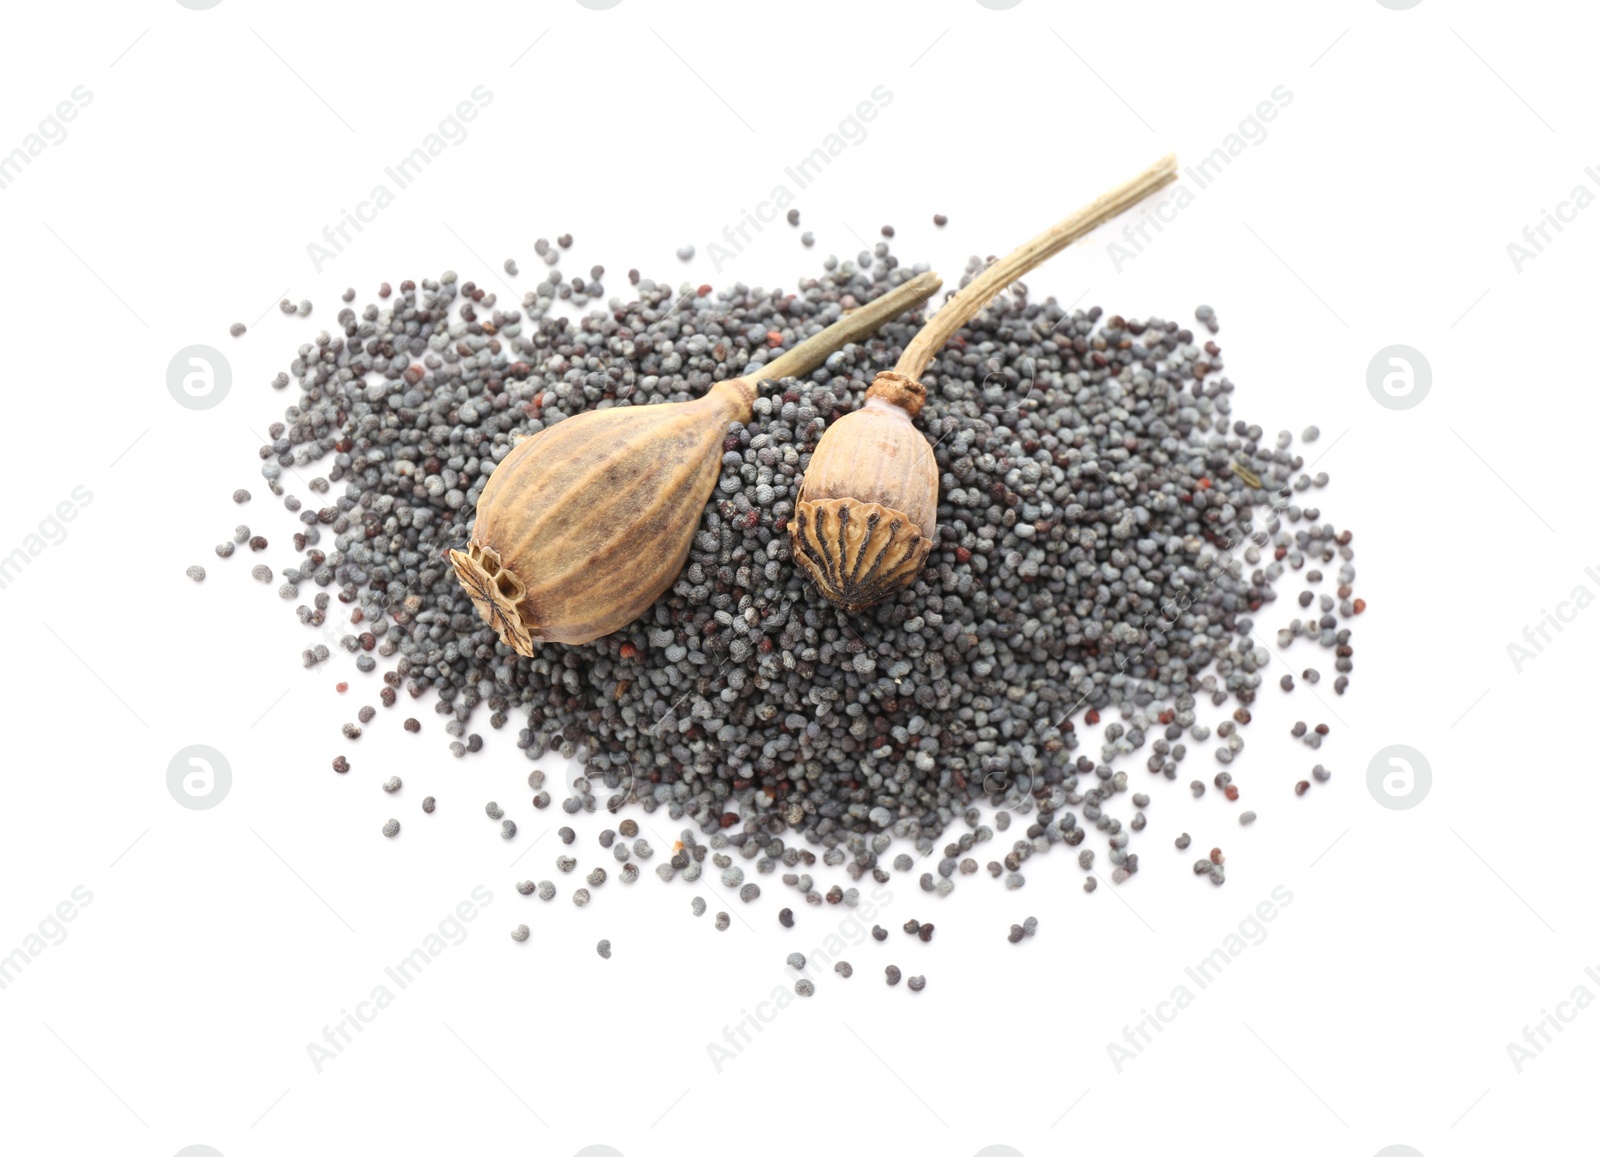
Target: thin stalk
x,y
961,308
853,326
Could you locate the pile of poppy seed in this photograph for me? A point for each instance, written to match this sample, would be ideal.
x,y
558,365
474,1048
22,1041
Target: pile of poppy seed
x,y
1107,535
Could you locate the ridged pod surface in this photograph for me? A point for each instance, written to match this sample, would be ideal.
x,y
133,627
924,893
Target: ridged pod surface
x,y
586,523
864,520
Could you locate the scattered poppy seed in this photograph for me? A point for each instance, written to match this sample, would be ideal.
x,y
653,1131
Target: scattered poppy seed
x,y
519,933
446,342
604,949
392,828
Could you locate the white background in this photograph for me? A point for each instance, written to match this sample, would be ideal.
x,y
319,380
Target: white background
x,y
178,1009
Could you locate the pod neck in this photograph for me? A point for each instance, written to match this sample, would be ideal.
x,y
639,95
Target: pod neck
x,y
899,390
738,394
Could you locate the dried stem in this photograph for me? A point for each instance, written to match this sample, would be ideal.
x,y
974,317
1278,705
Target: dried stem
x,y
853,326
961,308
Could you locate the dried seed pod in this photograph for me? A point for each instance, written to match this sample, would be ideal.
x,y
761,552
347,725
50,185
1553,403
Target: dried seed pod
x,y
865,517
865,520
586,523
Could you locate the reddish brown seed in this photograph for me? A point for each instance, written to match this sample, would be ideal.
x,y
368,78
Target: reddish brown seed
x,y
341,764
1231,792
1091,716
1241,716
1302,787
341,688
384,290
1216,856
1321,729
1359,605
